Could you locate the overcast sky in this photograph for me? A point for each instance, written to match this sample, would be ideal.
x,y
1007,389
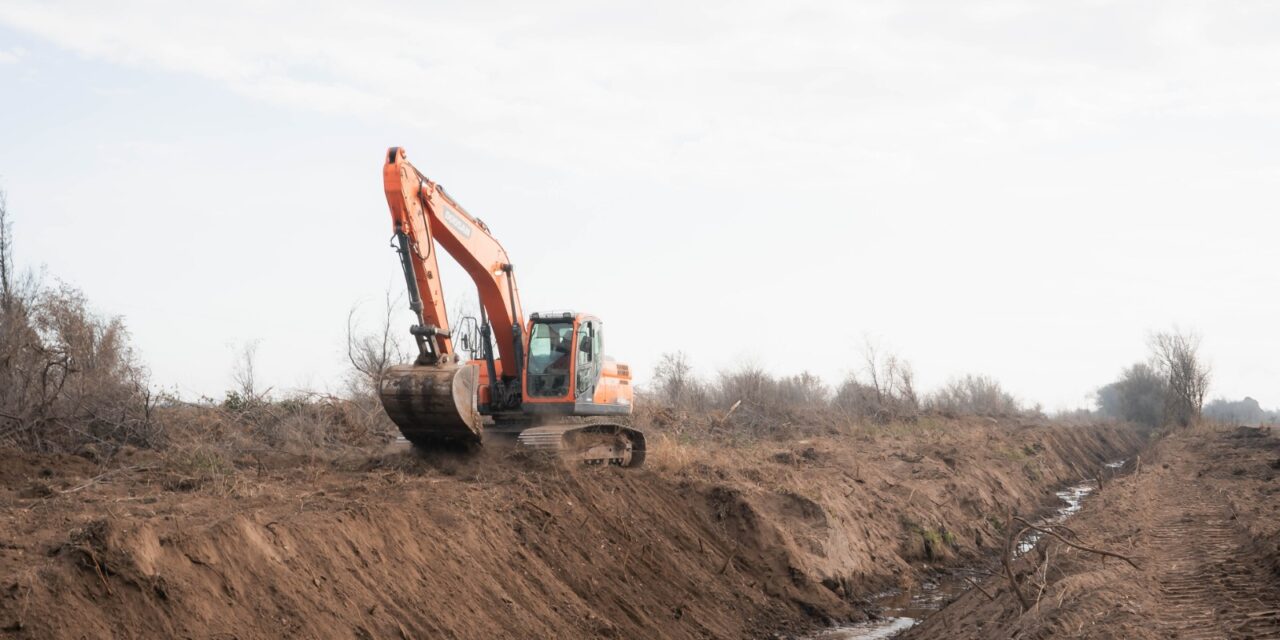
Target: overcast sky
x,y
1019,189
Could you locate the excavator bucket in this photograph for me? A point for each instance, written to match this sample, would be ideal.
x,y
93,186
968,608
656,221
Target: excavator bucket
x,y
433,404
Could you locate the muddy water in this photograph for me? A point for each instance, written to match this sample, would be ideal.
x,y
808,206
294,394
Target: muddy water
x,y
903,609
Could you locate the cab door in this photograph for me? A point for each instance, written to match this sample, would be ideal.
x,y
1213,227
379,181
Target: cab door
x,y
587,364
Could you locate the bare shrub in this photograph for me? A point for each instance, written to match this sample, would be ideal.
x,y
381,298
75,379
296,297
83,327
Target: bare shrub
x,y
676,386
750,395
858,399
244,375
301,423
884,392
1177,357
306,422
371,354
749,384
6,252
974,395
69,378
803,390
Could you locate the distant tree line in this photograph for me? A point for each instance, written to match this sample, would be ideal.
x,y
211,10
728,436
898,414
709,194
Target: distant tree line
x,y
1245,412
1169,388
882,390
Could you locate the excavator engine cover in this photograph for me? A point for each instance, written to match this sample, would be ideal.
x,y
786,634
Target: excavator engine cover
x,y
433,404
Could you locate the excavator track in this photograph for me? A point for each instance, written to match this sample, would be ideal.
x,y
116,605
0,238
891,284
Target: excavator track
x,y
592,442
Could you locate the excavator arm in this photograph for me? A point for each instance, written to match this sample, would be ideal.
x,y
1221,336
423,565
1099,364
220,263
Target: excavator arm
x,y
436,399
422,215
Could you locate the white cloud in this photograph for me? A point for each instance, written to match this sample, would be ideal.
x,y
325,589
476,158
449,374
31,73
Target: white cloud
x,y
815,90
12,55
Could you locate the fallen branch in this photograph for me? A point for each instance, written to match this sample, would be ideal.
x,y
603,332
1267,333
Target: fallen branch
x,y
1050,532
716,423
97,567
727,560
977,586
94,480
1006,559
547,523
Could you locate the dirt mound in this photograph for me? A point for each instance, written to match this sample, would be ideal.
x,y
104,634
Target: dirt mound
x,y
732,543
412,554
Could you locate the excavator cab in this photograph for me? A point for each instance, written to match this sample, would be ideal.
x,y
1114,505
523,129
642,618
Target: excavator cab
x,y
567,372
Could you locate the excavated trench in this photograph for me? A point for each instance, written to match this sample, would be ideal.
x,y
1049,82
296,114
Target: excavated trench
x,y
1195,522
903,609
706,541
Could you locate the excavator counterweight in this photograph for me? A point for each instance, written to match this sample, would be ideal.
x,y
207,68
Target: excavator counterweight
x,y
544,379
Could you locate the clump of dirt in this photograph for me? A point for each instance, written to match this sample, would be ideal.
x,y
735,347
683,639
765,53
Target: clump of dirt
x,y
732,542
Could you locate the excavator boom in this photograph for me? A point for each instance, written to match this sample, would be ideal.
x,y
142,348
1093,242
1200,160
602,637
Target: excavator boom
x,y
421,212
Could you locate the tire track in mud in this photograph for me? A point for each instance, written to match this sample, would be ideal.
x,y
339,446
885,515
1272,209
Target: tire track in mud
x,y
1208,587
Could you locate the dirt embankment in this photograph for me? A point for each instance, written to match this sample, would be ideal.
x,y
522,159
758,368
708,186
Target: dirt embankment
x,y
730,542
1201,519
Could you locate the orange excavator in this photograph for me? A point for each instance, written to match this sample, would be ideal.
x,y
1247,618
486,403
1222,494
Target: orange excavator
x,y
548,384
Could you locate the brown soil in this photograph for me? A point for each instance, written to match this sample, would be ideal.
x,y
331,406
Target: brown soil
x,y
1200,517
729,542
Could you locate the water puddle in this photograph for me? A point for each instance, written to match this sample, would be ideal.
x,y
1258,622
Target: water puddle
x,y
878,630
903,609
1074,497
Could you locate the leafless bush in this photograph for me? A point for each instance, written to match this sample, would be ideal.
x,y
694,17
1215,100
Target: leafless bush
x,y
750,402
69,379
6,252
244,373
749,384
973,395
371,354
676,385
307,421
884,392
803,390
1177,357
299,423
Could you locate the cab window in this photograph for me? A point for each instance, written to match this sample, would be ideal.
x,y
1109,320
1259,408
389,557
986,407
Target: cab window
x,y
550,353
